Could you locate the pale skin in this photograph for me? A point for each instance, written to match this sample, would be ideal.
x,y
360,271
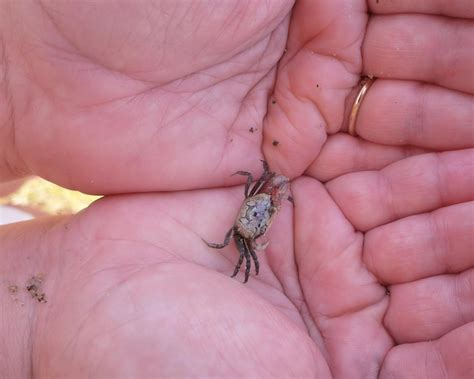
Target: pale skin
x,y
370,274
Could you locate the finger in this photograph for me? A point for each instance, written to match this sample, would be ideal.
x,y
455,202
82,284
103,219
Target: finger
x,y
451,356
413,185
342,154
319,69
409,113
427,309
344,299
453,8
422,245
424,48
330,270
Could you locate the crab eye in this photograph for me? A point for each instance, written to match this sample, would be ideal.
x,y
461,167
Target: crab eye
x,y
254,214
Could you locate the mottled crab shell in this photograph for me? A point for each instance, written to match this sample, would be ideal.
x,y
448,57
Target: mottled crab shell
x,y
255,216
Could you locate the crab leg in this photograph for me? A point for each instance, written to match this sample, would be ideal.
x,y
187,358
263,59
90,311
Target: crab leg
x,y
228,236
240,246
267,175
247,264
249,180
254,257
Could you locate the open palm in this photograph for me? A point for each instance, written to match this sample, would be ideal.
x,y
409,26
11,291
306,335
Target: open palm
x,y
170,102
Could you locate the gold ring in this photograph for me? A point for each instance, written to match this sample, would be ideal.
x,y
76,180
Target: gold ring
x,y
365,84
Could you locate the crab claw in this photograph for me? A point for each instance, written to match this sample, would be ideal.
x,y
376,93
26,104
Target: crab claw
x,y
261,243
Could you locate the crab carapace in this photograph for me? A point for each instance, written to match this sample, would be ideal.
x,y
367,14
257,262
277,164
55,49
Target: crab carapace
x,y
262,202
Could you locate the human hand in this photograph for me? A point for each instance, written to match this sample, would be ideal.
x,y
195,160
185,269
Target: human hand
x,y
177,93
139,297
407,184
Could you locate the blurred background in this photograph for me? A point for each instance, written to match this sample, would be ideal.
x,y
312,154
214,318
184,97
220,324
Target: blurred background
x,y
32,197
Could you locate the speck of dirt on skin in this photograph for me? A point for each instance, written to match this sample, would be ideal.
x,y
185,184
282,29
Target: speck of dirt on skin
x,y
317,85
275,142
251,130
34,288
13,289
274,102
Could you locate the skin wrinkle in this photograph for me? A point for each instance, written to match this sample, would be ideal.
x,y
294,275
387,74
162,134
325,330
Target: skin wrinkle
x,y
290,308
368,261
129,73
224,148
339,58
360,156
289,137
361,37
457,291
470,283
189,229
441,71
81,324
314,273
80,221
417,124
409,151
81,53
295,128
93,368
296,303
310,39
9,124
386,192
242,102
350,310
438,163
313,330
289,59
75,50
299,301
45,11
328,192
439,236
306,99
382,327
440,7
72,341
314,320
439,359
459,283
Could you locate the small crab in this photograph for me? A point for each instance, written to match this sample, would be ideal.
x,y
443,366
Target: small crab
x,y
255,216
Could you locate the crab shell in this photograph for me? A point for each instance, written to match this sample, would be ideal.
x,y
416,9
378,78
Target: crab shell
x,y
257,212
255,216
